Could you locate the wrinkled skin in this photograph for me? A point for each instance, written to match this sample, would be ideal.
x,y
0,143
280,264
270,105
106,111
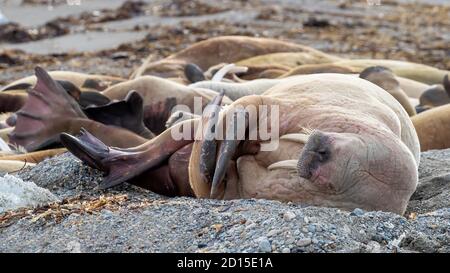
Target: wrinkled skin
x,y
363,151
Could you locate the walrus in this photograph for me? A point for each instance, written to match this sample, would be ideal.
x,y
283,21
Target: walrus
x,y
159,96
217,50
343,142
236,90
436,95
418,72
289,59
433,128
50,110
84,82
385,78
84,88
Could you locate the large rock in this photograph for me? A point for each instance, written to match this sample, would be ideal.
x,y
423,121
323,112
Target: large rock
x,y
129,219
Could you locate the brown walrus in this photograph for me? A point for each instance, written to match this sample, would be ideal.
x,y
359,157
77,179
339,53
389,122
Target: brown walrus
x,y
84,82
436,95
433,128
363,151
418,72
217,50
50,110
385,78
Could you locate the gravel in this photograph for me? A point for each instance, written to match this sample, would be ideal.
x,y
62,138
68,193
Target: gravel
x,y
135,220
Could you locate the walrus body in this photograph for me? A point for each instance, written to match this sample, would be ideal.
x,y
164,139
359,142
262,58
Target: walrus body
x,y
418,72
363,152
80,80
50,110
214,51
433,128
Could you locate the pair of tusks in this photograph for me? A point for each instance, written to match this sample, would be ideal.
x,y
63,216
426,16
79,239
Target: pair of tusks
x,y
290,164
213,171
228,69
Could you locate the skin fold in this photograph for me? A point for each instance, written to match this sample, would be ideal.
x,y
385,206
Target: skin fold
x,y
363,150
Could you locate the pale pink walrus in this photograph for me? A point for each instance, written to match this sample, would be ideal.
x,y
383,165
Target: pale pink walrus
x,y
344,142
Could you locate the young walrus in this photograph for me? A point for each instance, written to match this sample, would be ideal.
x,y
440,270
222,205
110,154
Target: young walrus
x,y
217,50
363,151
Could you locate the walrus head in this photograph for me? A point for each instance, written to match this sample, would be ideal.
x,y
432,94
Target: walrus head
x,y
374,172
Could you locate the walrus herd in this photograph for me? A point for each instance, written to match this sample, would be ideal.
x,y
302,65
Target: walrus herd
x,y
260,118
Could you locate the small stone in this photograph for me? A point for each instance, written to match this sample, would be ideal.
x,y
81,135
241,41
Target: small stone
x,y
304,242
273,232
357,212
290,241
252,225
288,215
306,220
312,228
285,250
107,214
389,225
264,245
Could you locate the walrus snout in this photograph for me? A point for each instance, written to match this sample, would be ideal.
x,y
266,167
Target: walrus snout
x,y
316,151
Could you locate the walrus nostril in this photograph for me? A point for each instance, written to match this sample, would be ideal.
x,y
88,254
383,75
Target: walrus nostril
x,y
316,151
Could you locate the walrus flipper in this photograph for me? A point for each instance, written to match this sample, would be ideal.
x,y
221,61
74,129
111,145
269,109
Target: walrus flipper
x,y
127,113
46,113
120,164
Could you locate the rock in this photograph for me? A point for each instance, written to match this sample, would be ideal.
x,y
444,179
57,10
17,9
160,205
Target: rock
x,y
16,193
357,212
264,245
304,242
285,250
289,215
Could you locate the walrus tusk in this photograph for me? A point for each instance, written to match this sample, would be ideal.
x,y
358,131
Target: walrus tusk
x,y
34,157
4,146
300,138
4,133
284,164
208,148
228,149
229,68
10,166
